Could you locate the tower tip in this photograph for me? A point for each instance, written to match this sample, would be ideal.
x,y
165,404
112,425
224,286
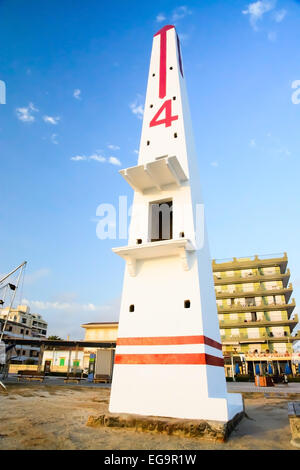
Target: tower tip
x,y
164,29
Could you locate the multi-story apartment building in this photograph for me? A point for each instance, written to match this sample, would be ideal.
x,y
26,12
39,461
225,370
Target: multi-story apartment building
x,y
21,324
256,312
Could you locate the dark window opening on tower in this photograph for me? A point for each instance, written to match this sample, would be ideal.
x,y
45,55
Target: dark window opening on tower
x,y
131,308
187,304
161,220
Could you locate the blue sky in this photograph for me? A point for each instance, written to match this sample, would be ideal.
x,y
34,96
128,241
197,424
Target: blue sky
x,y
75,75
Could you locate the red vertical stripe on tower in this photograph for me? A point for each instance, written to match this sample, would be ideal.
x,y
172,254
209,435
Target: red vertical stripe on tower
x,y
163,60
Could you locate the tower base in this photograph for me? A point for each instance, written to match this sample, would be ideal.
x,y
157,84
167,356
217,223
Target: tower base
x,y
193,392
217,431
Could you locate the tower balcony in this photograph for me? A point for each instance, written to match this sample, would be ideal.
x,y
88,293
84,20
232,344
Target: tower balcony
x,y
173,247
156,174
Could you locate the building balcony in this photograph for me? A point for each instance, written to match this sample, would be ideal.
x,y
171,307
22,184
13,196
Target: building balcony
x,y
238,292
251,262
258,323
238,279
239,308
175,247
243,338
284,338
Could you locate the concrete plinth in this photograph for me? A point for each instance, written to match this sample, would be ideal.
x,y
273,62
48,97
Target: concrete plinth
x,y
209,430
294,418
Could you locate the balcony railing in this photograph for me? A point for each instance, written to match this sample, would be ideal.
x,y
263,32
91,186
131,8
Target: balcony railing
x,y
238,278
258,322
249,262
238,307
242,337
262,291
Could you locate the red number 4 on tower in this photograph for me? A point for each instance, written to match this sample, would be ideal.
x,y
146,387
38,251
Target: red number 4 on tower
x,y
167,120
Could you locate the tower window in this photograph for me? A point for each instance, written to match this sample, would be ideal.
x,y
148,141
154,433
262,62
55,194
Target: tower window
x,y
139,241
175,135
174,98
153,75
171,68
161,221
131,308
148,142
187,304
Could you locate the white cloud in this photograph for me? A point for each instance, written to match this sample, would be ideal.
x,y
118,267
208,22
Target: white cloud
x,y
136,152
272,36
77,94
42,305
114,161
279,15
78,158
65,315
180,13
51,119
26,114
97,158
137,107
252,143
160,17
35,276
113,147
183,37
215,164
54,139
256,11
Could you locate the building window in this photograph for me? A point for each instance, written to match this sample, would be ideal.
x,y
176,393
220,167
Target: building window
x,y
62,361
253,316
250,301
187,304
131,308
76,363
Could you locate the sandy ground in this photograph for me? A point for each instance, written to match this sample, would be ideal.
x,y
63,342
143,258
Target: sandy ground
x,y
40,416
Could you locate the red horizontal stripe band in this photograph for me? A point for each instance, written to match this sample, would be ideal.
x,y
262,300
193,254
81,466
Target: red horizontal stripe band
x,y
198,359
167,340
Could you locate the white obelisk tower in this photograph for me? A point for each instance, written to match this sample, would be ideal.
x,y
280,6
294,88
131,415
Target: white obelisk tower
x,y
168,358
